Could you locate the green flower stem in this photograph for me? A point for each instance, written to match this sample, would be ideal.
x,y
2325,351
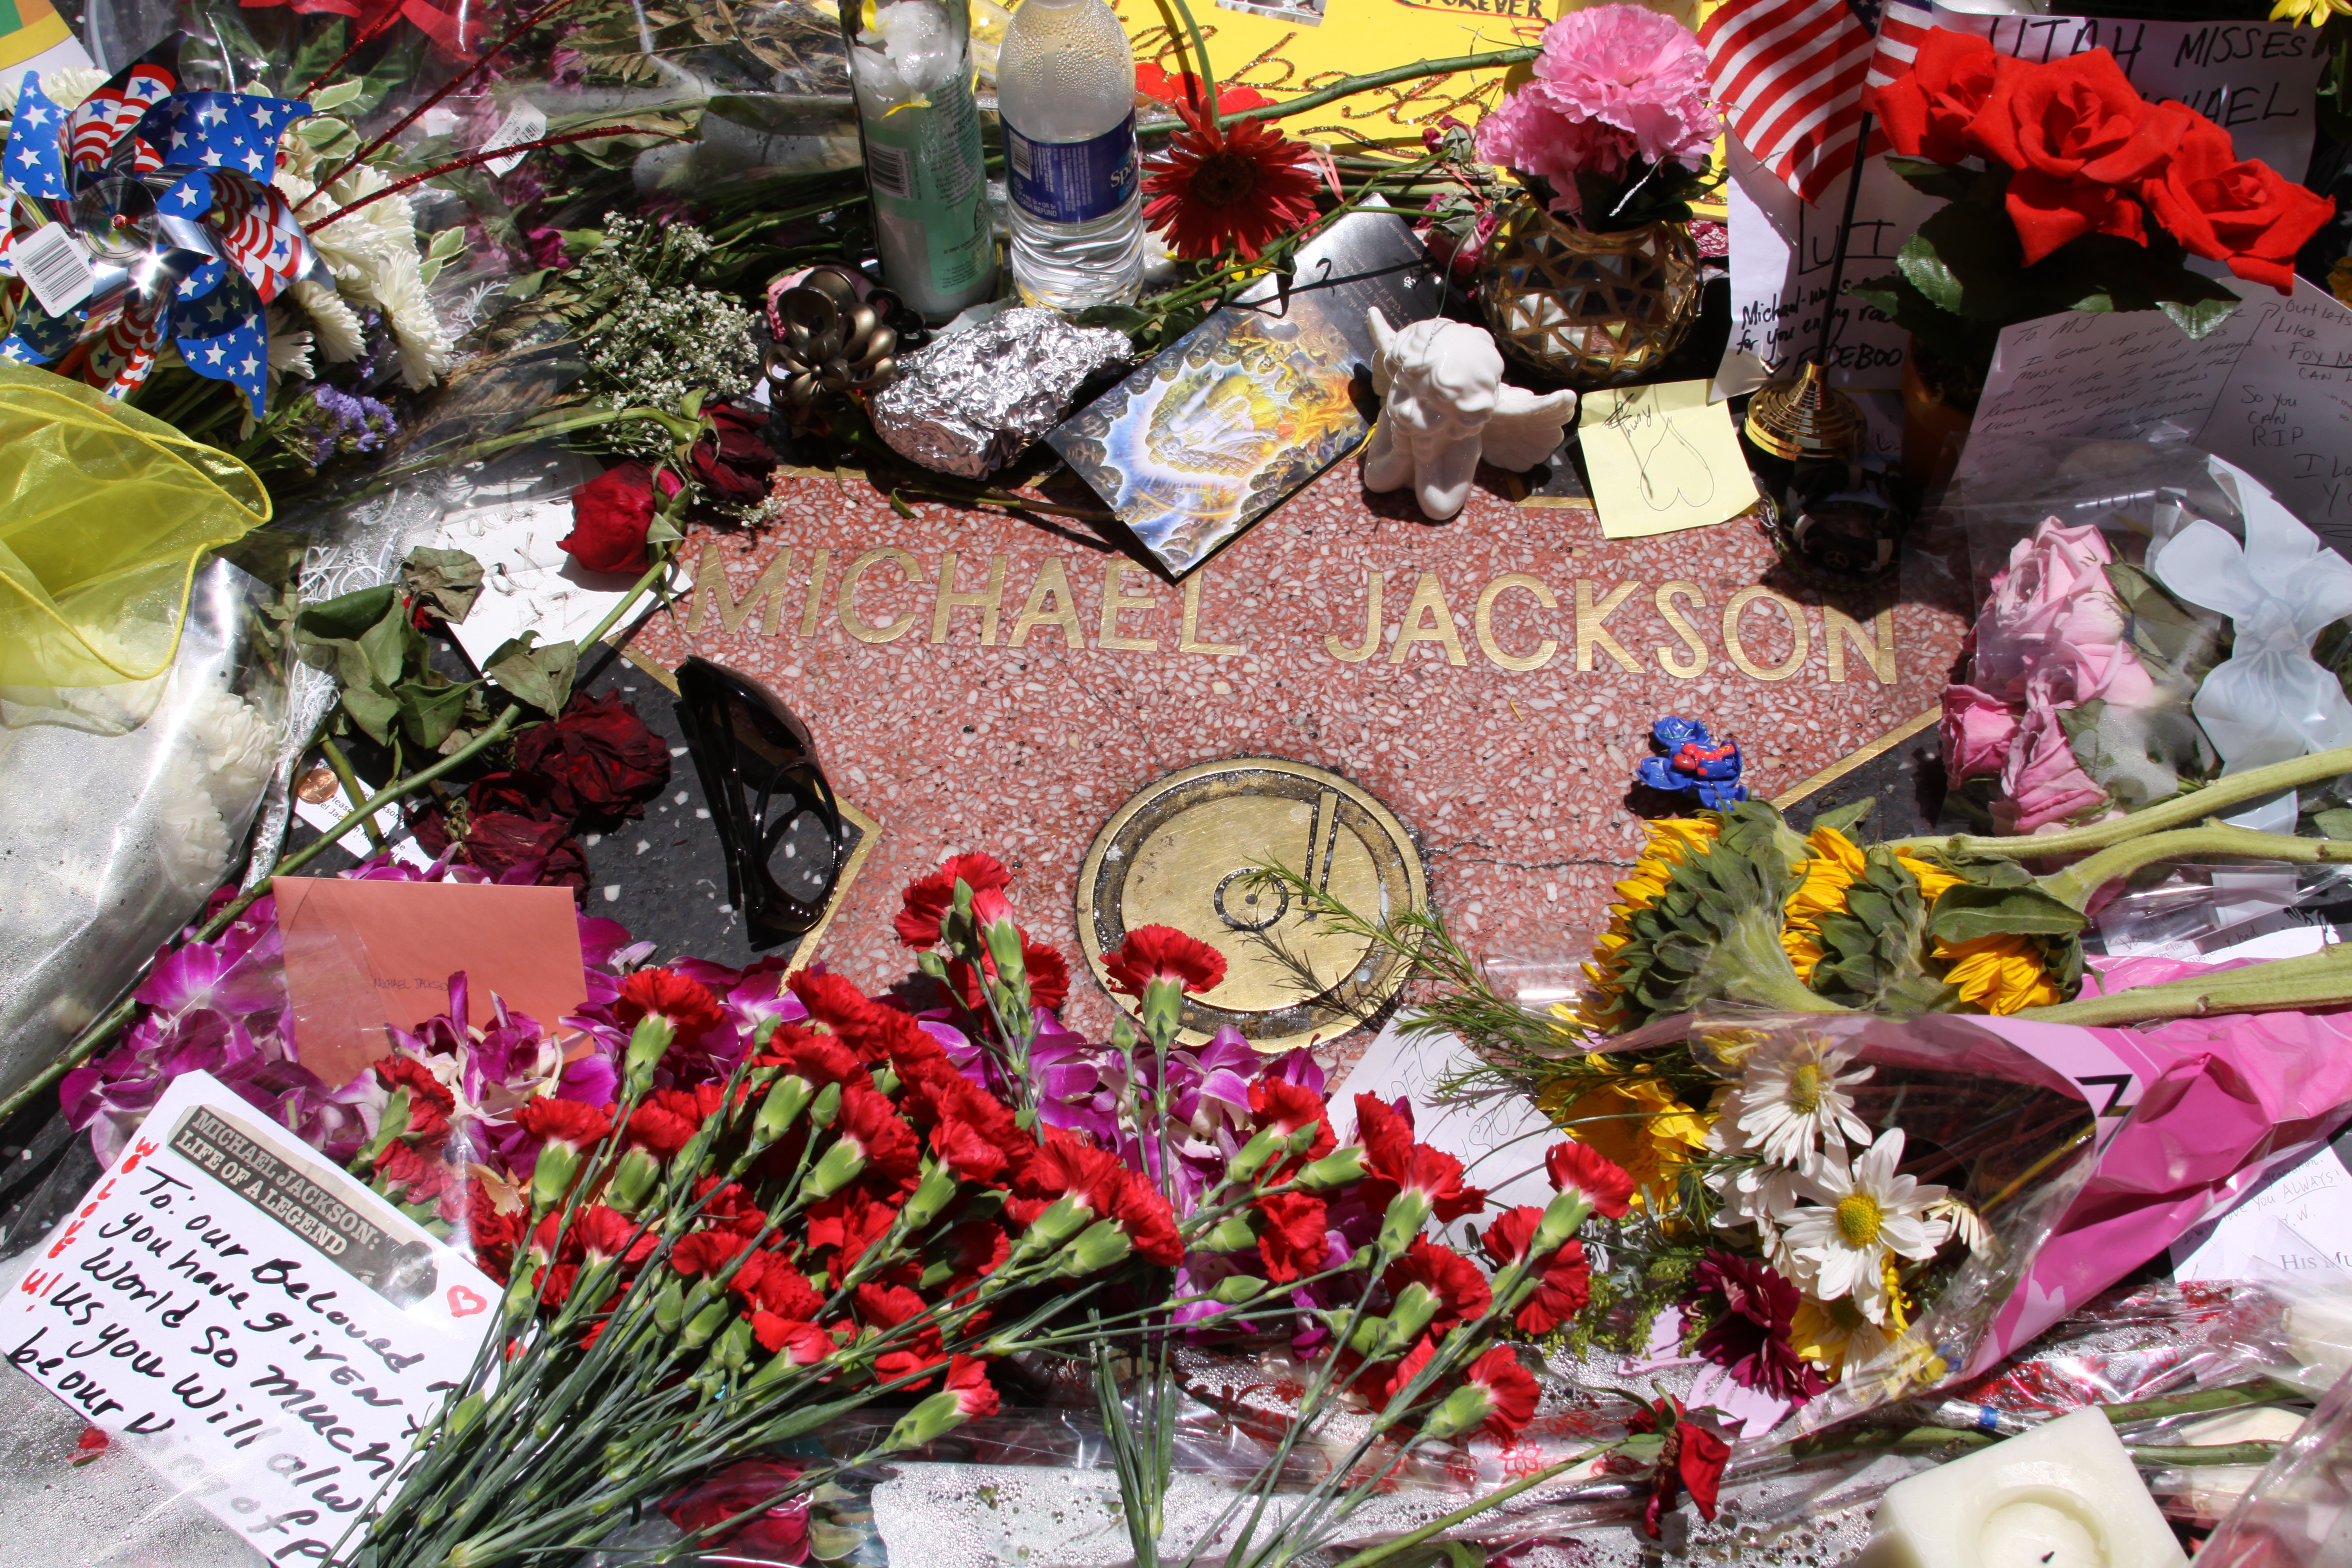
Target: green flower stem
x,y
2234,1396
1438,1526
2077,883
1200,59
1388,78
2315,980
2195,806
341,767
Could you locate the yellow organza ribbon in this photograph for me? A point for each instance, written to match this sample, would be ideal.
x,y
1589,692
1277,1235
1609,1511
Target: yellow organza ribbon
x,y
104,513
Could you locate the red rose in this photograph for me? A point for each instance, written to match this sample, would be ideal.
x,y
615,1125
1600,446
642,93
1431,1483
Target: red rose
x,y
2243,212
1930,109
610,515
511,829
731,458
2078,135
597,760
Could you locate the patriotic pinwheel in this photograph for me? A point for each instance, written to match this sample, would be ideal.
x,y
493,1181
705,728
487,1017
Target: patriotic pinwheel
x,y
175,232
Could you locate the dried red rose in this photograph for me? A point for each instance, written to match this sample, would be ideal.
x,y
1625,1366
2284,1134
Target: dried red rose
x,y
597,759
732,458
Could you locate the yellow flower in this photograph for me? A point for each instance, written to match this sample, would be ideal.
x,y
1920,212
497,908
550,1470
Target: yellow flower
x,y
1830,875
1671,842
2001,973
2313,12
1636,1121
1830,1334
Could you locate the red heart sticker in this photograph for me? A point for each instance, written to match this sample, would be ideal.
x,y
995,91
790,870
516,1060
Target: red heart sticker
x,y
463,1302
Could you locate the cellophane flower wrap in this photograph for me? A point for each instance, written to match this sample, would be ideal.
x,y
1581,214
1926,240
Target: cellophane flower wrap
x,y
1849,1211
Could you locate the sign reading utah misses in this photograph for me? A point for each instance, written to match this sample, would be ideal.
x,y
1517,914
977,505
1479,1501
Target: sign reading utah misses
x,y
254,1323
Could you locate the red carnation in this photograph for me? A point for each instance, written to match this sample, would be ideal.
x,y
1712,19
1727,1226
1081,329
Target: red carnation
x,y
565,1121
1394,1165
1287,1108
1163,952
868,1120
1049,974
927,900
817,1060
1603,1182
847,1223
1460,1291
706,1252
777,1533
968,1380
664,1123
491,1233
609,516
1510,1392
781,1288
1692,1458
429,1101
887,1307
598,759
606,1233
1295,1240
408,1177
1564,1283
803,1343
660,992
970,1252
966,1151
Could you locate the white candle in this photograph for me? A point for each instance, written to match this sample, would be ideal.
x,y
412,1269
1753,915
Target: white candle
x,y
2064,1495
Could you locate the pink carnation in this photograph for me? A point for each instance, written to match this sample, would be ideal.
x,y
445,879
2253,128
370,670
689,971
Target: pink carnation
x,y
1613,82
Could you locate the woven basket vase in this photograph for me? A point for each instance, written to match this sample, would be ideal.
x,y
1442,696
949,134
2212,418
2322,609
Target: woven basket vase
x,y
1593,310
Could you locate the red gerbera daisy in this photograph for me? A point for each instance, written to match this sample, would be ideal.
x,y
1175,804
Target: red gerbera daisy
x,y
1234,188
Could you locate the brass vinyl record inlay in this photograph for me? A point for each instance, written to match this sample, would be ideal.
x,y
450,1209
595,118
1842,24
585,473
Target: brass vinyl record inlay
x,y
1181,852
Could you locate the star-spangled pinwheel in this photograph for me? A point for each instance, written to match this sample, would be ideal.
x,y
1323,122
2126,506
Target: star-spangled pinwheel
x,y
169,195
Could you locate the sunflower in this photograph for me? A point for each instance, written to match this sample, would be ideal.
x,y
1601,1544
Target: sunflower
x,y
1675,841
1236,186
1636,1121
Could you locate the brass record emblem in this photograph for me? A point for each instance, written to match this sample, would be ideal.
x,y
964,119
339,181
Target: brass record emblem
x,y
1180,854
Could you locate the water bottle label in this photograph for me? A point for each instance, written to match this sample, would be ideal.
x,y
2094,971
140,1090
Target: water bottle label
x,y
924,167
1072,181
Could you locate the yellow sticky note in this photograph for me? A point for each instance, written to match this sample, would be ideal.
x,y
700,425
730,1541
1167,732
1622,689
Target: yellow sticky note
x,y
1661,458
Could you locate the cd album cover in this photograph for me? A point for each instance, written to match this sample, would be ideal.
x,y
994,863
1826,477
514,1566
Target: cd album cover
x,y
1212,434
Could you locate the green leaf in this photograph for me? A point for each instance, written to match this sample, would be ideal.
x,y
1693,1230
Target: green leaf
x,y
2335,822
363,637
1844,818
1967,911
376,712
451,579
540,676
1965,263
662,530
2198,318
1944,180
334,95
430,713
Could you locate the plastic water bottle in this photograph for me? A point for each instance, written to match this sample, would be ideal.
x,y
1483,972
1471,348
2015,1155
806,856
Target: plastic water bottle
x,y
1065,88
910,63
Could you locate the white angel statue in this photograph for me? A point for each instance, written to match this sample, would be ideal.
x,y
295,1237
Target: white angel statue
x,y
1443,405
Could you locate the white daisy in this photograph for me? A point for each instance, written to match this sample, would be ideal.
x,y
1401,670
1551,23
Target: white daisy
x,y
1966,1224
1837,1245
1747,1191
1791,1099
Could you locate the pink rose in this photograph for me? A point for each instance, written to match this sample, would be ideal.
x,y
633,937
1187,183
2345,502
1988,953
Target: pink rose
x,y
2110,672
1977,729
2051,604
2042,784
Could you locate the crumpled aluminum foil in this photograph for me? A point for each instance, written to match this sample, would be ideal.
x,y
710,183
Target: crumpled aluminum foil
x,y
970,403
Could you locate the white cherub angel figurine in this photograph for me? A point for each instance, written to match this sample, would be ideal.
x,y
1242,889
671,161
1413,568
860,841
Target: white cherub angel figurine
x,y
1443,405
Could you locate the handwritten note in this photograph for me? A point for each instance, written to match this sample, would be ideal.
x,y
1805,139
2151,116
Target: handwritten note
x,y
2257,80
1499,1137
2270,391
252,1322
2299,1224
1661,458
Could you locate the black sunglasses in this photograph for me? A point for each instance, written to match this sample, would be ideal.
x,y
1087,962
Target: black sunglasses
x,y
753,754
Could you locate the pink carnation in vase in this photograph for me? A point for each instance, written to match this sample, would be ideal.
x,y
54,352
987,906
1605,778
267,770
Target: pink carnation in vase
x,y
1629,66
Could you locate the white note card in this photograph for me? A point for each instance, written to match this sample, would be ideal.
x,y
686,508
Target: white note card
x,y
250,1320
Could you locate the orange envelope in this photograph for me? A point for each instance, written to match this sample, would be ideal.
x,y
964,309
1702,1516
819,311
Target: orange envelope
x,y
363,954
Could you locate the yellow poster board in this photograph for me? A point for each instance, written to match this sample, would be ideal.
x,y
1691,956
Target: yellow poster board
x,y
1286,48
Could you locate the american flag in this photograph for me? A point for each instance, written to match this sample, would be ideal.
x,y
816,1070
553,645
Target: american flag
x,y
1791,74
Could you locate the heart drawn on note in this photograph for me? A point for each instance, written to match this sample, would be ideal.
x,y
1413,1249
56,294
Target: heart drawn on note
x,y
464,1302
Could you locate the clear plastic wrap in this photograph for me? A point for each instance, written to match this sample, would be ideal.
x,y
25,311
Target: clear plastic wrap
x,y
2298,1513
123,806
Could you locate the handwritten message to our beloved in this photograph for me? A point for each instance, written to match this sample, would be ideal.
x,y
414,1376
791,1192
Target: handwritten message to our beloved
x,y
254,1323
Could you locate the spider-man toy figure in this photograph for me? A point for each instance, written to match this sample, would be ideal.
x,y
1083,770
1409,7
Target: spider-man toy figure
x,y
1690,761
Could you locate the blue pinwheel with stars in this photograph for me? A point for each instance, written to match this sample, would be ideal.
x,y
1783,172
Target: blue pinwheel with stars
x,y
166,198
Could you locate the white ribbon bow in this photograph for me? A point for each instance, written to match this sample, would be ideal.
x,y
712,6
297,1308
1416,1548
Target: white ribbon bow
x,y
2269,701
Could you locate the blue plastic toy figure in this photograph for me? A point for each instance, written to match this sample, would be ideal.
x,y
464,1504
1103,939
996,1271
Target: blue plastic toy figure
x,y
1691,762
